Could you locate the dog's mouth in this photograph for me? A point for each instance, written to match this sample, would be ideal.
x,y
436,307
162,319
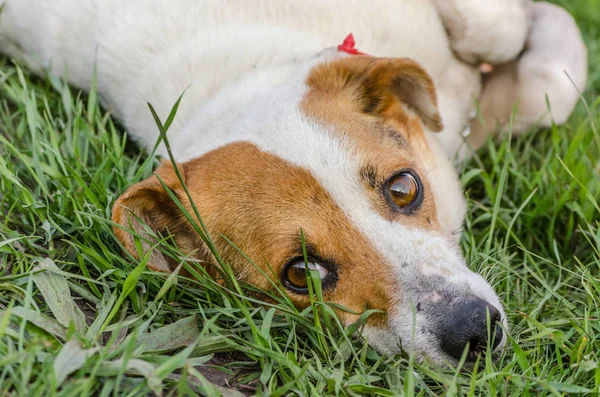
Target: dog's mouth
x,y
443,330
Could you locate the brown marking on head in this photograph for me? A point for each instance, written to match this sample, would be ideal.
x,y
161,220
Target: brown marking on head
x,y
261,203
380,105
375,85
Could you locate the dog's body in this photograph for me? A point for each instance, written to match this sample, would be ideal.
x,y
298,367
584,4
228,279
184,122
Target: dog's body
x,y
246,46
279,131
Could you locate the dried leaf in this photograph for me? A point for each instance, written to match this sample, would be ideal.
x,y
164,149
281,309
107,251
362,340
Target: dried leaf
x,y
44,322
132,366
70,358
208,388
179,334
56,293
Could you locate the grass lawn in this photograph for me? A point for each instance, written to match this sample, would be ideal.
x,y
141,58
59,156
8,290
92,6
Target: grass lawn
x,y
79,317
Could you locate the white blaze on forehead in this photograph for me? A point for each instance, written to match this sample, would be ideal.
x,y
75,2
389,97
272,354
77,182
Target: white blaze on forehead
x,y
275,124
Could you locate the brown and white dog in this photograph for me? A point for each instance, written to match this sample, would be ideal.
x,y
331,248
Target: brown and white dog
x,y
282,131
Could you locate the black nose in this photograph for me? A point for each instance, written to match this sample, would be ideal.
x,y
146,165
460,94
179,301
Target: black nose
x,y
466,324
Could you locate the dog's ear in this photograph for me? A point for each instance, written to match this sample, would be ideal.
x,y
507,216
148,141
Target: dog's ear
x,y
375,84
146,208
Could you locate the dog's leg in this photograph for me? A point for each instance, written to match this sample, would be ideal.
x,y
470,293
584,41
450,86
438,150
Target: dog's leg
x,y
552,70
491,31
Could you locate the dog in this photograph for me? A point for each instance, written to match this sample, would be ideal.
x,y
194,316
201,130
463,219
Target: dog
x,y
292,133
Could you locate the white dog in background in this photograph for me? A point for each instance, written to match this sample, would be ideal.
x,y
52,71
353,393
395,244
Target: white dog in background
x,y
287,126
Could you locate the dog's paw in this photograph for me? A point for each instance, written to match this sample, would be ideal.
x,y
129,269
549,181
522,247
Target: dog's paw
x,y
554,64
491,31
544,84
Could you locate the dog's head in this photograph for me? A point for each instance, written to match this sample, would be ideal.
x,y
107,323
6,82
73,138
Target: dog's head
x,y
346,162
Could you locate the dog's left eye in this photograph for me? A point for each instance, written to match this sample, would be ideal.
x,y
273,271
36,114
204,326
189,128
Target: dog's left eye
x,y
403,190
294,275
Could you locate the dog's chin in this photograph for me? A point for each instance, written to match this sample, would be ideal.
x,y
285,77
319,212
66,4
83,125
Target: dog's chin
x,y
388,343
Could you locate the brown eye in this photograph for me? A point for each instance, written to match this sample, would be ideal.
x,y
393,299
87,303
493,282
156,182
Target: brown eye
x,y
295,274
403,189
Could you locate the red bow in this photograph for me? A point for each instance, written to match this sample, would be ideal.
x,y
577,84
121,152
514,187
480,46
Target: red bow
x,y
348,46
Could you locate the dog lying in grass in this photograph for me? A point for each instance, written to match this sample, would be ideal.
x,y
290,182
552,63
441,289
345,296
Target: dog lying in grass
x,y
308,153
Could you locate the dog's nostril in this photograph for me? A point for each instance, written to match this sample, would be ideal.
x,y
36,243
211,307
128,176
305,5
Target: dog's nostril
x,y
467,325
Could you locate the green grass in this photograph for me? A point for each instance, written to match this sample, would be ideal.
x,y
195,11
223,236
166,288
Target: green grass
x,y
79,317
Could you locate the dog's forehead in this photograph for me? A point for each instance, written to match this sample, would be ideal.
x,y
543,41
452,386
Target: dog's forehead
x,y
259,191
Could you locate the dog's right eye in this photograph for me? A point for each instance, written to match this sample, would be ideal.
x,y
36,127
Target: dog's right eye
x,y
294,274
404,191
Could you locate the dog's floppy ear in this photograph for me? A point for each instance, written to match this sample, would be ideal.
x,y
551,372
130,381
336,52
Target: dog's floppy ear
x,y
147,205
375,84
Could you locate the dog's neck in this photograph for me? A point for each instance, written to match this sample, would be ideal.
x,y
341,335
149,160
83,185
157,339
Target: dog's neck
x,y
257,97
